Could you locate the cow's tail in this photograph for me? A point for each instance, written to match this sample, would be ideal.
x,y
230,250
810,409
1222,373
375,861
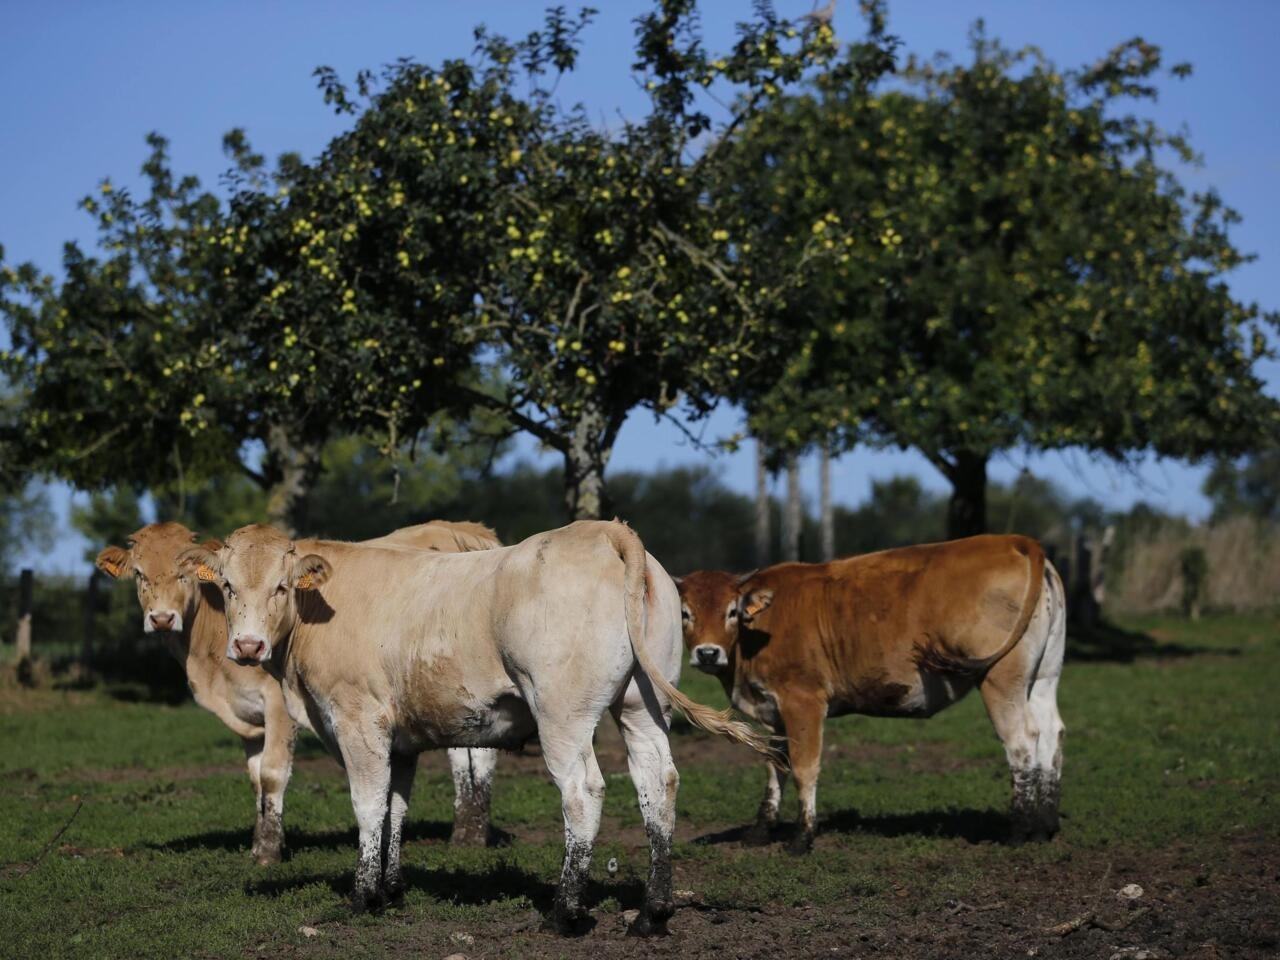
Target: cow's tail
x,y
720,722
976,666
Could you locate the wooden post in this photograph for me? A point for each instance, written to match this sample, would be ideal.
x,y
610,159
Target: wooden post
x,y
828,520
792,515
762,508
23,636
90,611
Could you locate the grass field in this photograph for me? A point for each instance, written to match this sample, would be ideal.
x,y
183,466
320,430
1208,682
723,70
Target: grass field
x,y
1171,775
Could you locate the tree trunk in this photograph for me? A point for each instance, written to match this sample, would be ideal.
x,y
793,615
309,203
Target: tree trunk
x,y
792,515
585,459
762,508
289,470
827,519
967,510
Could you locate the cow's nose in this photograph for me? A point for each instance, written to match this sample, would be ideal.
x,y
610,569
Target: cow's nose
x,y
707,655
249,648
162,620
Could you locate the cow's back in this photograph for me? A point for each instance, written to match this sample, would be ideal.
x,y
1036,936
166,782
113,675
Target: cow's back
x,y
861,628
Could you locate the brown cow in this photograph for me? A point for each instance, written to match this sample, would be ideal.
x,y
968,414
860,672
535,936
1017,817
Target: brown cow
x,y
900,633
246,699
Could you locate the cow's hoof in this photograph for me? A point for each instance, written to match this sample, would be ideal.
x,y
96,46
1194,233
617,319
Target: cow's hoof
x,y
268,858
368,901
394,894
756,835
651,923
469,836
800,844
567,922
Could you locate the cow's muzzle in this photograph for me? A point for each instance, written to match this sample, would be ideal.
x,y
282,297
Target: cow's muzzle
x,y
249,649
708,656
162,620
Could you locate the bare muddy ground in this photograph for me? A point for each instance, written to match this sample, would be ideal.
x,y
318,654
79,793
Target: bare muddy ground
x,y
1198,902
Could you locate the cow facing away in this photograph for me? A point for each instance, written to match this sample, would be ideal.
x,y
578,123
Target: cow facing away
x,y
900,633
393,653
250,702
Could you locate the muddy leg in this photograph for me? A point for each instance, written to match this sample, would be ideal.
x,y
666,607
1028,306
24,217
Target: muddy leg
x,y
573,766
403,768
767,817
276,766
472,794
643,723
367,757
802,718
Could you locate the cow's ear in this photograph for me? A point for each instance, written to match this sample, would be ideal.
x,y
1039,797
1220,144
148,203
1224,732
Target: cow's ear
x,y
310,572
200,562
752,603
114,562
213,546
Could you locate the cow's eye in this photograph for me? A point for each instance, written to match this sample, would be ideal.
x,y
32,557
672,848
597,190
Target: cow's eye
x,y
231,591
142,578
281,589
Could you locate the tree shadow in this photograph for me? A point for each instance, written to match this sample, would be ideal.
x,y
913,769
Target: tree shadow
x,y
1105,642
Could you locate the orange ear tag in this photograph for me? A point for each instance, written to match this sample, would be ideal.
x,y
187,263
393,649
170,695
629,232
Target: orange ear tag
x,y
305,582
205,574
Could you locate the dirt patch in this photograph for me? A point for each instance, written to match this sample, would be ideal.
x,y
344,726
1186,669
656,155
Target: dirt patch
x,y
1207,903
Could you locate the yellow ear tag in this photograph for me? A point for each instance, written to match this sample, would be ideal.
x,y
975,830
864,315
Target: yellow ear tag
x,y
205,574
305,582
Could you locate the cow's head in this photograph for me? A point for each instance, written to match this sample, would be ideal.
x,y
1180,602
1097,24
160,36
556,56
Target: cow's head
x,y
714,607
166,593
259,572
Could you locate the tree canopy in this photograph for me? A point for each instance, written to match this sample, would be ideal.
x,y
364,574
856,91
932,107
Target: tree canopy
x,y
1020,267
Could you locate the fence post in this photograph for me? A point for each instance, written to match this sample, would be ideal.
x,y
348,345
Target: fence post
x,y
90,609
23,637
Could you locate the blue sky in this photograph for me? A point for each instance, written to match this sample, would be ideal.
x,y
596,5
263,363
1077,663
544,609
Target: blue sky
x,y
85,82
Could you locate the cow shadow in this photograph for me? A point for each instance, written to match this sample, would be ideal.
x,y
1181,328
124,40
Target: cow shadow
x,y
298,839
1105,642
501,881
972,826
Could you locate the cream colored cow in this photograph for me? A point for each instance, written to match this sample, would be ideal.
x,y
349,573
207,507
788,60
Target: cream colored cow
x,y
390,653
249,701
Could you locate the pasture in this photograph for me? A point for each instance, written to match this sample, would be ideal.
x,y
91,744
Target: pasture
x,y
1169,782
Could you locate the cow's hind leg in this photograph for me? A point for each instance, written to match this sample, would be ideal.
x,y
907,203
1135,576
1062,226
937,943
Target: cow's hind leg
x,y
366,753
472,771
1044,710
275,767
403,768
566,748
644,724
1005,691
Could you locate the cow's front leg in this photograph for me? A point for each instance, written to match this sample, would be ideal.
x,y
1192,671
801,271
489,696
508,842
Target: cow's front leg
x,y
276,765
366,753
472,771
403,768
802,717
759,832
253,763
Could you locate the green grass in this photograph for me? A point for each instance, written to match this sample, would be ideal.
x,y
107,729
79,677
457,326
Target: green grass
x,y
1174,741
